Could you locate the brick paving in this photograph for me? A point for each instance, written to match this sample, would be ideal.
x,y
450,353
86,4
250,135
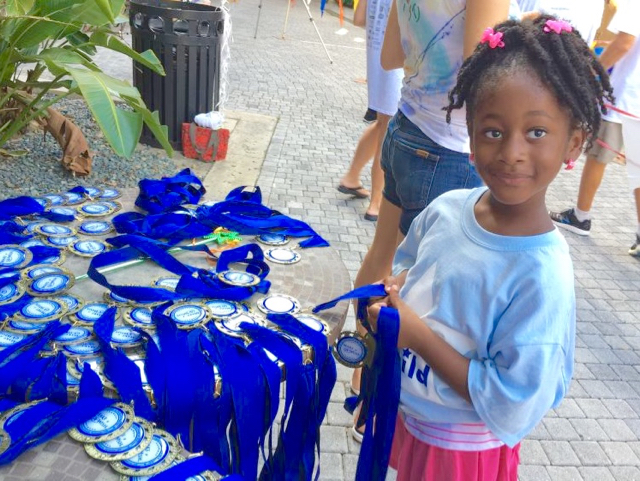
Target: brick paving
x,y
594,433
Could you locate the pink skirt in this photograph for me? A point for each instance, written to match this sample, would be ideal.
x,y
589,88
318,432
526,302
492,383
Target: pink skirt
x,y
418,461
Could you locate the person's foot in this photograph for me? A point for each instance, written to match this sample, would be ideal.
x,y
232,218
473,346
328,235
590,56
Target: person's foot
x,y
567,220
357,433
355,381
358,192
634,250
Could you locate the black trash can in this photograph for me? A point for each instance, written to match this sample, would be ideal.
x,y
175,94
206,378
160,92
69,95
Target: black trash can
x,y
187,38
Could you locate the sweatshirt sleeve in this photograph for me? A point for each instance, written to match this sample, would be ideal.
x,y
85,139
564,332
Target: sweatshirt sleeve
x,y
530,358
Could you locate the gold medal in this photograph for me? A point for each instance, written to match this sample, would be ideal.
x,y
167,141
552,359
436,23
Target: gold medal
x,y
5,441
157,456
189,315
353,350
51,283
139,317
129,444
88,247
108,424
11,293
96,209
14,256
42,310
9,416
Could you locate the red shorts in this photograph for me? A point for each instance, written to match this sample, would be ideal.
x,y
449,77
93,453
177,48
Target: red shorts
x,y
418,461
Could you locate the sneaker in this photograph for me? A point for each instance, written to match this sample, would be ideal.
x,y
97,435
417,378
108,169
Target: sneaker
x,y
635,248
567,220
370,115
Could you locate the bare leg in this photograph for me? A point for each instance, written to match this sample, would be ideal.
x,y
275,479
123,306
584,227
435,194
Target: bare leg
x,y
592,175
377,262
377,176
636,194
365,150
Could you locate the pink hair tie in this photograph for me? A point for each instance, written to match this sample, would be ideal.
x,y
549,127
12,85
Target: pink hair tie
x,y
557,26
493,38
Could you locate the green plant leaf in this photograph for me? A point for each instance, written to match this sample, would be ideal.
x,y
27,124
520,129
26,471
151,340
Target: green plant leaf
x,y
121,128
57,56
18,7
147,58
28,32
152,121
92,12
81,41
105,8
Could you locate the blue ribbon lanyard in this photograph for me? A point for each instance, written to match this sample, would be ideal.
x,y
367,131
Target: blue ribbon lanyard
x,y
169,192
42,379
206,284
297,392
15,359
12,233
285,351
173,226
320,377
212,414
44,420
178,398
380,384
247,383
24,205
121,370
54,422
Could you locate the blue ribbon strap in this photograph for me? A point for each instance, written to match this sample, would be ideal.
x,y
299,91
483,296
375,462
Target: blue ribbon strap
x,y
121,370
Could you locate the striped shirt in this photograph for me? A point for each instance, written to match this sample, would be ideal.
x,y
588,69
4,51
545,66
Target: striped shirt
x,y
455,436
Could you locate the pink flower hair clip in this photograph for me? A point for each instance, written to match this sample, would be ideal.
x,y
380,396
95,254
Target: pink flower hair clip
x,y
570,164
557,26
493,38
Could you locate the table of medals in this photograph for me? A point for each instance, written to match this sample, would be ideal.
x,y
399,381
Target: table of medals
x,y
300,279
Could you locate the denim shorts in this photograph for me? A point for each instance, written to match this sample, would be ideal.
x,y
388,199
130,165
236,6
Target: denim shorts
x,y
417,170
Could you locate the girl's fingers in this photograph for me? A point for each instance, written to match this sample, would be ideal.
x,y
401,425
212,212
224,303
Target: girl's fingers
x,y
394,294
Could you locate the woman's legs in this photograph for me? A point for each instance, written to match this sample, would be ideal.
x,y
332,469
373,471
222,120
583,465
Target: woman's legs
x,y
365,149
377,176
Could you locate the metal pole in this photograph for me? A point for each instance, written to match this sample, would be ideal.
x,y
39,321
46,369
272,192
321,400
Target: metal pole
x,y
255,35
286,18
306,4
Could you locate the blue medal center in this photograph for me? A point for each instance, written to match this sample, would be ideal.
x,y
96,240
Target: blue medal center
x,y
105,422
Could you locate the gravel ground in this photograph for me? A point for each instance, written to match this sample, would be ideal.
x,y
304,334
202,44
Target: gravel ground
x,y
40,171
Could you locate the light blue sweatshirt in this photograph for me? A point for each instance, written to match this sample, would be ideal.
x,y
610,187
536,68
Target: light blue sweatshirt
x,y
507,303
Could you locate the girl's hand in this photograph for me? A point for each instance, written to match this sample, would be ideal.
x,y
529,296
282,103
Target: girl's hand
x,y
410,322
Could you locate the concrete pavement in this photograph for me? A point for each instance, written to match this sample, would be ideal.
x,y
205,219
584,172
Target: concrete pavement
x,y
594,434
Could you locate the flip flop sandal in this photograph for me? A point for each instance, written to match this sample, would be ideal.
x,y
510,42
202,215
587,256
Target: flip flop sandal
x,y
370,217
353,191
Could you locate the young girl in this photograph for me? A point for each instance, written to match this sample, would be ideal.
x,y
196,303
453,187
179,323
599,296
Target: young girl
x,y
483,281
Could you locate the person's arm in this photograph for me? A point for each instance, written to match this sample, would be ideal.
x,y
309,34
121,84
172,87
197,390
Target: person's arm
x,y
451,366
618,48
360,15
480,15
392,55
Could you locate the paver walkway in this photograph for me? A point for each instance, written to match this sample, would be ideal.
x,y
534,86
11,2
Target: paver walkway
x,y
594,434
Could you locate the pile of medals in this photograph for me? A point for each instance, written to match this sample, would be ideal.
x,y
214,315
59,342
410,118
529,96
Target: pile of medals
x,y
190,340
